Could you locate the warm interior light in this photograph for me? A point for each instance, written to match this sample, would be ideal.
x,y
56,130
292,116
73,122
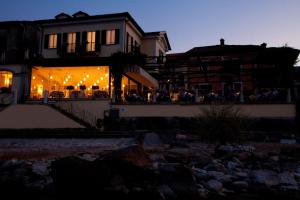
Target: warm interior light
x,y
61,77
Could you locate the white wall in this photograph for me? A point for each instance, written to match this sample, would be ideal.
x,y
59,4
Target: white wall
x,y
86,26
133,32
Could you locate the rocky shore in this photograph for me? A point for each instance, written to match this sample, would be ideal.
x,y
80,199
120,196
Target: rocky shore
x,y
162,171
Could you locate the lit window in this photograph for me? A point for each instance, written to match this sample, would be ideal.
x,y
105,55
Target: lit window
x,y
91,38
71,42
52,41
111,37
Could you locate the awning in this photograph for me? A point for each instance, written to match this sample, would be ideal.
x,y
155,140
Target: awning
x,y
139,74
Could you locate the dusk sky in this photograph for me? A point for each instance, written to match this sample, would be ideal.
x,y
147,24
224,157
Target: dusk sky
x,y
189,23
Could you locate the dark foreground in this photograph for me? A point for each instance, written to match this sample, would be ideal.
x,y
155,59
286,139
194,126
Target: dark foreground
x,y
157,170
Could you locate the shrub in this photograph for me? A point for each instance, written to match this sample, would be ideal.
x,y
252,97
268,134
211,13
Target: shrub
x,y
221,124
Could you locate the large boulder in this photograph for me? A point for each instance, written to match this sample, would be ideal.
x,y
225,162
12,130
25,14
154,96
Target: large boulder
x,y
133,154
266,177
214,185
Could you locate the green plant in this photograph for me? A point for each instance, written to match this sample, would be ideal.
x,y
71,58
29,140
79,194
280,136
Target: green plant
x,y
221,123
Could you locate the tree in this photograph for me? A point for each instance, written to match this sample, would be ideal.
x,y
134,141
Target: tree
x,y
120,61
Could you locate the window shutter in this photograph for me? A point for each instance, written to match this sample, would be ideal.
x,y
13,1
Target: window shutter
x,y
127,43
117,35
65,42
84,41
84,38
103,37
58,46
46,41
77,48
131,43
97,41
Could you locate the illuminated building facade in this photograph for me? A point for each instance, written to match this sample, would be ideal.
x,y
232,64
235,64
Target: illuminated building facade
x,y
69,56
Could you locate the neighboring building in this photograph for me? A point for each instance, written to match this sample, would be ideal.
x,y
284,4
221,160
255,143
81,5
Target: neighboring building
x,y
245,73
72,58
297,81
18,43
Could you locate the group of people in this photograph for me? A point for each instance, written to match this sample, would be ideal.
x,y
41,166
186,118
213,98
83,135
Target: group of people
x,y
191,96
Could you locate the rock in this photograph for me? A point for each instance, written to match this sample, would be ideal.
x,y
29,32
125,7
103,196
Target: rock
x,y
287,178
232,165
41,168
157,157
203,193
200,173
243,156
133,154
88,156
236,148
166,192
242,175
180,179
181,137
9,165
267,177
152,139
289,188
215,174
297,175
219,176
214,185
240,184
274,158
215,165
297,170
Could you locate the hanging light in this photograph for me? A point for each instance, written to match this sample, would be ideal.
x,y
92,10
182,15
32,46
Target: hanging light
x,y
33,77
87,76
51,77
98,81
101,78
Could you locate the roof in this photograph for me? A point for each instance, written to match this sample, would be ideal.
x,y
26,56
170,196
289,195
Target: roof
x,y
158,33
223,49
105,16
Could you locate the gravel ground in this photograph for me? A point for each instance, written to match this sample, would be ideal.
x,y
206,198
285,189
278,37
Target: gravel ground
x,y
11,148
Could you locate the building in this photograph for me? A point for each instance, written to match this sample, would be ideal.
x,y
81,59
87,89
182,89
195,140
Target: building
x,y
70,56
240,73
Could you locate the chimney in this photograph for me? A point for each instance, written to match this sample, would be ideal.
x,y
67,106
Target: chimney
x,y
222,42
264,45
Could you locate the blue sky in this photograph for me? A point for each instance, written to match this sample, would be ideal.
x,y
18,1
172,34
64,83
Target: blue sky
x,y
189,23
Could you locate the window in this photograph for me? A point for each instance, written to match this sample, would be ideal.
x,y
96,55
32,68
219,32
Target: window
x,y
111,37
91,41
71,42
52,43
